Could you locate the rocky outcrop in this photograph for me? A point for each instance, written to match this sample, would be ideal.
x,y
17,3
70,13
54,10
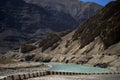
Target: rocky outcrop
x,y
25,48
50,40
104,25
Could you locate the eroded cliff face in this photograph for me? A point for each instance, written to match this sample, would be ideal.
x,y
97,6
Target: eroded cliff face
x,y
95,42
21,21
104,24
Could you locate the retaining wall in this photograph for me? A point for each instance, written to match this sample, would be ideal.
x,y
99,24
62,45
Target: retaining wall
x,y
44,73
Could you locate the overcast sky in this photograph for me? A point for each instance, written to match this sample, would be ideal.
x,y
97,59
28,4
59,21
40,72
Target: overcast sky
x,y
101,2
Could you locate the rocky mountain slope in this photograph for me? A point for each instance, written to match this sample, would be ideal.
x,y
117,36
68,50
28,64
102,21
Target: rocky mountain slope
x,y
21,21
79,10
96,42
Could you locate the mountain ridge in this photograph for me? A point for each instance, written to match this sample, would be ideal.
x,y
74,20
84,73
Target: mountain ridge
x,y
75,8
21,22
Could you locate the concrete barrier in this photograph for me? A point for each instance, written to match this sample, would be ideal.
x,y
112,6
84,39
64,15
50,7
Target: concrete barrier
x,y
74,73
35,74
24,76
29,75
44,73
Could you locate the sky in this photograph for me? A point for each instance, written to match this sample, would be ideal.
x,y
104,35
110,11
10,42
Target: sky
x,y
101,2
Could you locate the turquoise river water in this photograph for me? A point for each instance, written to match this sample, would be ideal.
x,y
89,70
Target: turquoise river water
x,y
70,67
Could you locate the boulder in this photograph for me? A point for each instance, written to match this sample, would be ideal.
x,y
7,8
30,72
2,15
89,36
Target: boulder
x,y
102,65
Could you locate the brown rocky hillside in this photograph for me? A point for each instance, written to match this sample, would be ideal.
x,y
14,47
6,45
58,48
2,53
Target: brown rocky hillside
x,y
96,42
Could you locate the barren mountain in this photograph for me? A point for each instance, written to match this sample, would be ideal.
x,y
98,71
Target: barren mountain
x,y
96,42
21,21
79,10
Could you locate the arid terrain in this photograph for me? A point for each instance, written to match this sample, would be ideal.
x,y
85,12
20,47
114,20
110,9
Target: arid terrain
x,y
78,32
96,42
